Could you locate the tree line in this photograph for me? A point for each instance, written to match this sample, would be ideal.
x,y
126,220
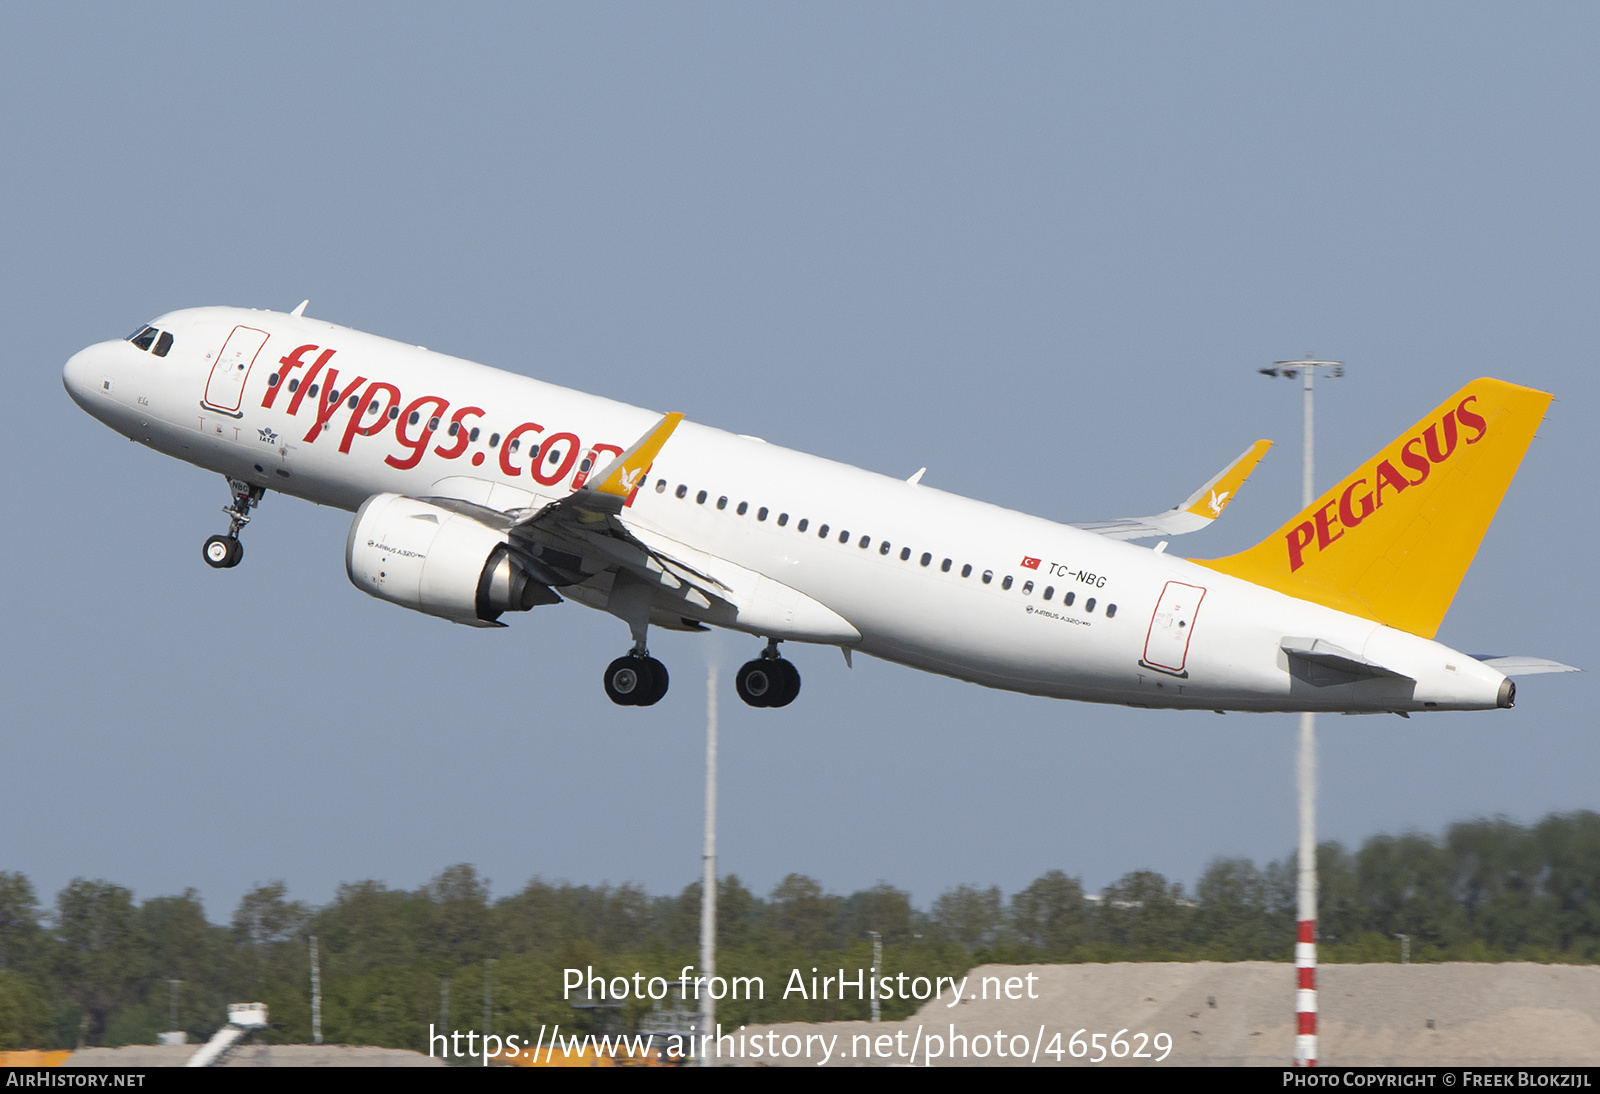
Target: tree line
x,y
99,967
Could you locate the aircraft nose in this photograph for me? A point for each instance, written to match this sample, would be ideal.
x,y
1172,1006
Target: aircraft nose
x,y
82,373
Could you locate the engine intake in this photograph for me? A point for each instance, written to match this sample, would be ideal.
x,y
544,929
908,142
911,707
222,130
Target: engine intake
x,y
428,559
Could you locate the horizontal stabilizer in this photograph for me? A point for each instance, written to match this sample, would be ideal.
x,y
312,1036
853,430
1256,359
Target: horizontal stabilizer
x,y
1522,666
1194,512
1321,652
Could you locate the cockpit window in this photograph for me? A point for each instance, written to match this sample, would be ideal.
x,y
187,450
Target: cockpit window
x,y
140,329
144,338
163,344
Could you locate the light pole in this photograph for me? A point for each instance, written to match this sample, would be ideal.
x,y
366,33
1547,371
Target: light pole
x,y
708,861
877,965
1305,947
316,994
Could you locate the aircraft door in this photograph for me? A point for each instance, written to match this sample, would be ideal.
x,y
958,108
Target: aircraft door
x,y
225,386
1166,645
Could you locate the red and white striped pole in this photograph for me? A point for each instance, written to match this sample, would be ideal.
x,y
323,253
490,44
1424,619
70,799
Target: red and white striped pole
x,y
1305,946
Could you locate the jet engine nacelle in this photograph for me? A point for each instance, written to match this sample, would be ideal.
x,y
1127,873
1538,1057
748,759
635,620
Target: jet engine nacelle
x,y
431,560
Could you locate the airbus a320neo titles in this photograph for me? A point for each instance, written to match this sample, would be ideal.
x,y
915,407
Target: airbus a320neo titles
x,y
478,493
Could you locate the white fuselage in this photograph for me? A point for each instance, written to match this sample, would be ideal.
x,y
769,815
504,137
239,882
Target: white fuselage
x,y
1094,619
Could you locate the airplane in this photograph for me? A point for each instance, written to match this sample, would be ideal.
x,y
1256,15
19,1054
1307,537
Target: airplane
x,y
479,492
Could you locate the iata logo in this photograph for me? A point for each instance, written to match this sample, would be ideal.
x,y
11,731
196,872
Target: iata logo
x,y
1361,498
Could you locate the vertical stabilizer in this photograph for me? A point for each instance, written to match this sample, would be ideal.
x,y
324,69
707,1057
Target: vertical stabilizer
x,y
1392,541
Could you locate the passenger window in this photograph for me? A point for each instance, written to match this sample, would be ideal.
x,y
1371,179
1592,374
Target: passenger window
x,y
988,576
473,436
866,541
333,396
744,507
844,537
966,570
294,385
1027,587
783,518
801,527
700,498
433,422
661,486
1111,611
1049,591
494,440
681,491
416,416
394,412
554,454
761,514
944,567
455,427
145,337
1006,584
354,399
926,558
722,502
516,442
883,548
822,533
905,553
163,344
1069,598
312,391
1088,605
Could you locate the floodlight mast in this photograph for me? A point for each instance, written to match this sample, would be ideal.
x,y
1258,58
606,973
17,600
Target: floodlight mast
x,y
1305,947
708,860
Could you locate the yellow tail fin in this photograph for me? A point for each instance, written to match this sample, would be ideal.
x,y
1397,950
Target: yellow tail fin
x,y
1393,540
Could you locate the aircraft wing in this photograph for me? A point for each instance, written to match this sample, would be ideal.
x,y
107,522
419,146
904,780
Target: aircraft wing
x,y
1194,512
582,544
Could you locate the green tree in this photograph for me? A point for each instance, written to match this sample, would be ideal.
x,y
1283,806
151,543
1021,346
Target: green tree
x,y
1142,912
103,957
883,909
799,911
968,915
1051,913
20,933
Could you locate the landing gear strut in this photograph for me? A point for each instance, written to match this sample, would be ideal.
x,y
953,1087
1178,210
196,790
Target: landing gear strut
x,y
769,680
637,680
225,552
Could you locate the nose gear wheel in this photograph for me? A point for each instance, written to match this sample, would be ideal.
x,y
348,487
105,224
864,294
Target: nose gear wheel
x,y
225,552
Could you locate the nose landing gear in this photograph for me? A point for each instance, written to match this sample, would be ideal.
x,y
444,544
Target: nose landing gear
x,y
226,552
769,680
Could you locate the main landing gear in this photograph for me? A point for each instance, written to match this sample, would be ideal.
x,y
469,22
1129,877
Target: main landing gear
x,y
769,680
225,552
637,680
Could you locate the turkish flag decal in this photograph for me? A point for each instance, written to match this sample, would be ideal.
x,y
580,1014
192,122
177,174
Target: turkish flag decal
x,y
1030,563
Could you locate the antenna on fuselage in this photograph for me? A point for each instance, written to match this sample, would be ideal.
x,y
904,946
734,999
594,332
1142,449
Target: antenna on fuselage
x,y
301,310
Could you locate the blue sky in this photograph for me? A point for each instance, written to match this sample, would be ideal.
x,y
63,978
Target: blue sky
x,y
1040,249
